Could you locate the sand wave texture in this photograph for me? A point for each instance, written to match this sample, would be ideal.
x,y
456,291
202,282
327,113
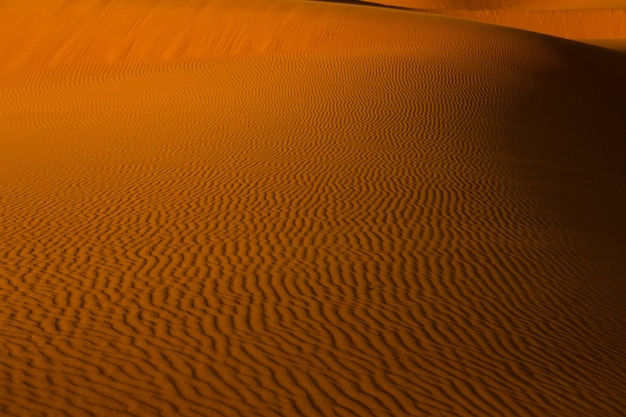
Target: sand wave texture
x,y
328,211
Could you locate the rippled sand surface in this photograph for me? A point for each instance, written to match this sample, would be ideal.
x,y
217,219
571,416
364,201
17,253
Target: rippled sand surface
x,y
287,208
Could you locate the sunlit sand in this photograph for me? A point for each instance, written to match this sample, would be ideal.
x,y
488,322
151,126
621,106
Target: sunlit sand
x,y
291,208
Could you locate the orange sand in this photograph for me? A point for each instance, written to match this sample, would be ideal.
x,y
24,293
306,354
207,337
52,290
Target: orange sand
x,y
599,22
287,208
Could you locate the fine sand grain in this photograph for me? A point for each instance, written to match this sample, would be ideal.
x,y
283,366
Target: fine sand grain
x,y
286,208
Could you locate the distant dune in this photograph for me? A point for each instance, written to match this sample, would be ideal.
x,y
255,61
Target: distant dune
x,y
294,208
601,22
573,24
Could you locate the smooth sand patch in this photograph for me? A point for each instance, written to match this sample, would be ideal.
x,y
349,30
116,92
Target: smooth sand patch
x,y
615,44
280,208
571,23
601,23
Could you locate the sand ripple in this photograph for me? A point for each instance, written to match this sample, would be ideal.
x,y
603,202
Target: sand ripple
x,y
333,233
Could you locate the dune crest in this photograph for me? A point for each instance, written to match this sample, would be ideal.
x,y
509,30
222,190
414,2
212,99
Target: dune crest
x,y
601,22
572,24
88,33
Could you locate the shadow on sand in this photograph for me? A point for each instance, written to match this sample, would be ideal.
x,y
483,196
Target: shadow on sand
x,y
367,3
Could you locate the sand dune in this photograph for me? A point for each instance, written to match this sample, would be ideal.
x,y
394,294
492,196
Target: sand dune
x,y
572,24
512,4
615,44
279,208
598,21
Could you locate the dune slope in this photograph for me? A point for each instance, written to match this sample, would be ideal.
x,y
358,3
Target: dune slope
x,y
328,210
569,23
601,23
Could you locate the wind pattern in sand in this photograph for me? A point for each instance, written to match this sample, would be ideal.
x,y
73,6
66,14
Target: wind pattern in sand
x,y
348,232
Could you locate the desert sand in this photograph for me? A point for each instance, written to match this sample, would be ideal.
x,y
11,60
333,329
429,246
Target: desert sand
x,y
291,208
598,22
